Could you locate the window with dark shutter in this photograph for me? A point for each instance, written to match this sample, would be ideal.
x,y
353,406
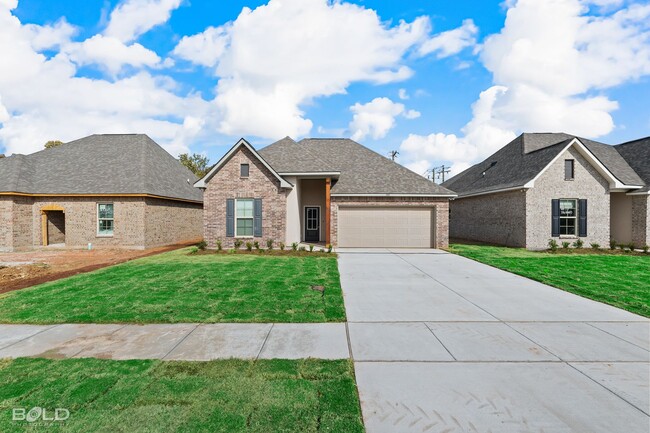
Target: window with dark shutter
x,y
230,218
555,218
582,218
569,166
257,217
243,170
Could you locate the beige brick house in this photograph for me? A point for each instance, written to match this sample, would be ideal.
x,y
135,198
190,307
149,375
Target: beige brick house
x,y
327,191
106,190
555,186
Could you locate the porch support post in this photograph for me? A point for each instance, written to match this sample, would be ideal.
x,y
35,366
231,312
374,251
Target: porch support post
x,y
44,227
328,184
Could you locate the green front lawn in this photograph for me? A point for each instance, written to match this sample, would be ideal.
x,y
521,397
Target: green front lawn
x,y
159,396
176,287
616,279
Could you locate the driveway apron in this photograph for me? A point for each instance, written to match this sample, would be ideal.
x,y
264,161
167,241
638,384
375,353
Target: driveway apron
x,y
442,343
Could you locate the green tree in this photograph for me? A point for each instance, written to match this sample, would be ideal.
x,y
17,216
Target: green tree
x,y
53,143
197,164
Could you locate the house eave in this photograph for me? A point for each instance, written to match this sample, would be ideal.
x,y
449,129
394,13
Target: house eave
x,y
496,191
394,195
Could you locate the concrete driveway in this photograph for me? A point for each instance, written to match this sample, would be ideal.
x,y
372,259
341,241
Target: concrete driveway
x,y
445,344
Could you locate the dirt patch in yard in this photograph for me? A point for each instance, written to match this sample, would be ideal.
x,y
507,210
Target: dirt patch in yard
x,y
20,270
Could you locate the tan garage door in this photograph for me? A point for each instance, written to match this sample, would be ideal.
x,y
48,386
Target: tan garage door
x,y
397,227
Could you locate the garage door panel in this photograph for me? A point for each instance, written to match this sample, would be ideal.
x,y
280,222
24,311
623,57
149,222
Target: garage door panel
x,y
383,227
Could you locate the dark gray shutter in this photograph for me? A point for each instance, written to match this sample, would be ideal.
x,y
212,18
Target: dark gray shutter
x,y
257,217
230,217
582,218
555,218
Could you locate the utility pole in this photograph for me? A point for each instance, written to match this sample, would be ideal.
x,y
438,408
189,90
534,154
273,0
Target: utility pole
x,y
393,154
441,172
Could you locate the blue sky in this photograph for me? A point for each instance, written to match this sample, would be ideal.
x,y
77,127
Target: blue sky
x,y
197,75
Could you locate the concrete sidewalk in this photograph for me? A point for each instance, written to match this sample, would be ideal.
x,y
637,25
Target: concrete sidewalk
x,y
190,342
443,343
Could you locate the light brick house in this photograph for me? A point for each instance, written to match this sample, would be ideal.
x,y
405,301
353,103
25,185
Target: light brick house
x,y
109,190
555,186
327,191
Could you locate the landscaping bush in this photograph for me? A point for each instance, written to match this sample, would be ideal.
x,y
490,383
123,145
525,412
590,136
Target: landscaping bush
x,y
256,245
219,245
631,246
595,246
645,248
579,243
269,243
311,248
565,245
612,244
552,245
194,250
238,243
294,246
282,246
301,249
249,246
329,248
202,245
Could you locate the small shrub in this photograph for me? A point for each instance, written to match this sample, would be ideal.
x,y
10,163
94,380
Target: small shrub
x,y
282,246
321,250
631,246
238,243
595,246
612,244
301,249
219,245
329,248
232,251
269,243
194,250
294,246
249,246
552,245
579,243
256,245
202,245
565,245
311,248
645,248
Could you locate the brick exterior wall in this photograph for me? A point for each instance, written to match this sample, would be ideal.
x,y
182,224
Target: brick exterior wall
x,y
587,184
169,222
492,218
260,183
641,220
441,206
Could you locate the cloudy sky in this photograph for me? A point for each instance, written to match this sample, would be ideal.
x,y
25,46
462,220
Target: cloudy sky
x,y
441,82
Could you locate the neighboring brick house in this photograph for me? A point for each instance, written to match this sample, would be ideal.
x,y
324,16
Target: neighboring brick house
x,y
555,186
327,191
119,190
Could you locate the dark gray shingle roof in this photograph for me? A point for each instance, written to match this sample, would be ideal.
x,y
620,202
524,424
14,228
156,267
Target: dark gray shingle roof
x,y
100,164
637,154
362,170
523,158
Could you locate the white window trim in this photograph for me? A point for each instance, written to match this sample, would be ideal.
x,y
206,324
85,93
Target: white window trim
x,y
251,218
304,216
575,235
104,235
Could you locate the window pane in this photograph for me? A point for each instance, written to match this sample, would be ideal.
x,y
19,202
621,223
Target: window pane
x,y
244,227
567,226
567,208
245,208
105,210
244,170
105,227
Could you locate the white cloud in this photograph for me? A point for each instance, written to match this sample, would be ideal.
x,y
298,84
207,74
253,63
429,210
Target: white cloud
x,y
551,64
132,18
262,87
204,48
50,36
43,99
377,117
403,94
451,42
111,53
